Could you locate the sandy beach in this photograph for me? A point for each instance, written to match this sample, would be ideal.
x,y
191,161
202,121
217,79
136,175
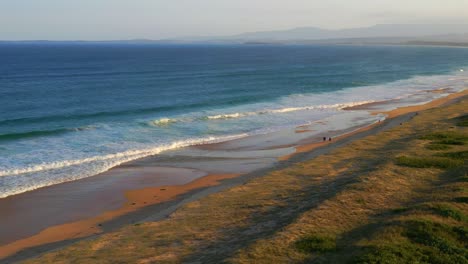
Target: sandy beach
x,y
129,193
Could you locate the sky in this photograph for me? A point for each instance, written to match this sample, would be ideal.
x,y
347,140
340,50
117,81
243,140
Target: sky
x,y
161,19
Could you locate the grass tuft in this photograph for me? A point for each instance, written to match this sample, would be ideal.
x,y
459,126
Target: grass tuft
x,y
391,254
445,135
428,162
446,138
400,210
460,155
439,237
451,141
448,211
317,244
435,146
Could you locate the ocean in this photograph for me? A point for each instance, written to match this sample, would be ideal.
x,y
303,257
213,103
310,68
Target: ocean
x,y
70,111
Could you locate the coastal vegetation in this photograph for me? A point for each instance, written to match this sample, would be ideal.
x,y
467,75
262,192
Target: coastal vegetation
x,y
399,196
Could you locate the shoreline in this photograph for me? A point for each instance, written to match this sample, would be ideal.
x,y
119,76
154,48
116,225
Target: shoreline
x,y
202,186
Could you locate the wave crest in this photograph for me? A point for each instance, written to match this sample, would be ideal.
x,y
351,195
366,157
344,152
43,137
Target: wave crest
x,y
162,122
118,158
287,110
41,133
230,116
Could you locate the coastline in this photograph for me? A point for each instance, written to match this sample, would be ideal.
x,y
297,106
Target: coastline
x,y
135,198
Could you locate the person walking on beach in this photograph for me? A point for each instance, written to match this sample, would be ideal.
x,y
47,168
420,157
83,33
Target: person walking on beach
x,y
324,138
329,139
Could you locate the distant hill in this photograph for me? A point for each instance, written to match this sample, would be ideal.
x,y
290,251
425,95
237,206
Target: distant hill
x,y
406,34
377,31
378,34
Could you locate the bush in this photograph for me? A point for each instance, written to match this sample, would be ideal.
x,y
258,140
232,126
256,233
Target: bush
x,y
428,162
320,244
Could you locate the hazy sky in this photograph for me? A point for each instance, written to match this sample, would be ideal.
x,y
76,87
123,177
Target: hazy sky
x,y
156,19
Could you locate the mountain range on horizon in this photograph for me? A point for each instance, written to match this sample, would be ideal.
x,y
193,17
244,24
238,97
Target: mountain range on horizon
x,y
380,33
380,30
446,32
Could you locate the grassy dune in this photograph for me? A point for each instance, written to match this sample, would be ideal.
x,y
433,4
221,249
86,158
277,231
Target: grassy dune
x,y
399,196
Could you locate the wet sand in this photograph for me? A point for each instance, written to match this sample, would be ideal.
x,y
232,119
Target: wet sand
x,y
81,199
80,207
382,107
389,114
432,104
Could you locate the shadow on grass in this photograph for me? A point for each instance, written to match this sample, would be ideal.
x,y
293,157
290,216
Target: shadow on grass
x,y
424,241
235,239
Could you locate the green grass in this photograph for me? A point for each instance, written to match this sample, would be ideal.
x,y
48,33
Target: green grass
x,y
448,211
446,135
428,162
446,138
316,244
391,254
423,242
439,237
460,155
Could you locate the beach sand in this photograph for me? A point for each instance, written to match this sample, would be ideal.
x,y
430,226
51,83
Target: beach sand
x,y
133,200
84,208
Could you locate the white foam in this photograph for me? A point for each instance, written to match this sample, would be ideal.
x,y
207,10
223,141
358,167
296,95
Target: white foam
x,y
163,122
230,116
339,106
127,155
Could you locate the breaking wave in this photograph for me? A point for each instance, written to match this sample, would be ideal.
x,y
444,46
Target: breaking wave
x,y
288,109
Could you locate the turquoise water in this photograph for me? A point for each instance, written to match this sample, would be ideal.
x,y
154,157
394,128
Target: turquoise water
x,y
72,111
